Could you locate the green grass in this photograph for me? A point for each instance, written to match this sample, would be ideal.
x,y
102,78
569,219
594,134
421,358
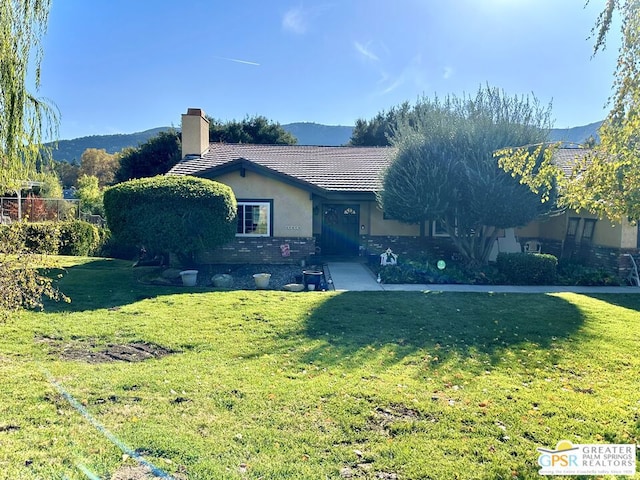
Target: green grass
x,y
274,385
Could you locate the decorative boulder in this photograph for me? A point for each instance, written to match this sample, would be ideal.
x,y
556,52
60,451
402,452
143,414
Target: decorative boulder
x,y
171,273
294,287
222,280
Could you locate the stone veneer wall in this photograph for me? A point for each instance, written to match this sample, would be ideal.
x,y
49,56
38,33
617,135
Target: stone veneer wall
x,y
439,247
260,250
613,260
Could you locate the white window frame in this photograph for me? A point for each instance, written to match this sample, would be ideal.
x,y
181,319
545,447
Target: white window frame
x,y
435,232
254,203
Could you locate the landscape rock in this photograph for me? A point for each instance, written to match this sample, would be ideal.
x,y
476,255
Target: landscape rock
x,y
222,280
171,273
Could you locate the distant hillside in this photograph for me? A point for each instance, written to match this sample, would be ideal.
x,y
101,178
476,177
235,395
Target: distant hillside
x,y
70,150
576,134
307,134
317,134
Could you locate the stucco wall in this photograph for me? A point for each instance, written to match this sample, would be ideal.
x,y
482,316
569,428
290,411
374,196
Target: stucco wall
x,y
629,235
292,206
532,230
380,226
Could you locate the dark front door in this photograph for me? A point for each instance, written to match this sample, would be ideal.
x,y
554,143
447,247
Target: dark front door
x,y
340,229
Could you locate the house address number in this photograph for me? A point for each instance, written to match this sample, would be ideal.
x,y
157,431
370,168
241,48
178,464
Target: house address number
x,y
293,227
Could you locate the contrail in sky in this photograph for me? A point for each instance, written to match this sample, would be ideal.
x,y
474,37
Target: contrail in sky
x,y
246,62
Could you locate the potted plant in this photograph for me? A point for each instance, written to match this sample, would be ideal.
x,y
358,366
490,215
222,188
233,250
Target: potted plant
x,y
262,280
189,278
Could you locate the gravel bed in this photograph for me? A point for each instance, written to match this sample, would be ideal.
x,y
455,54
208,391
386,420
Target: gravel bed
x,y
243,274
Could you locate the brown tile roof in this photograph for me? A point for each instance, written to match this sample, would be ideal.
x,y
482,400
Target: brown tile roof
x,y
339,169
333,169
566,158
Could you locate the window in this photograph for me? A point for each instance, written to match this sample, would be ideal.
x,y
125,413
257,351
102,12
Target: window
x,y
438,230
572,227
254,219
589,227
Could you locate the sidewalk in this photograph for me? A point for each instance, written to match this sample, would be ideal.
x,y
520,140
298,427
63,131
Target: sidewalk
x,y
355,277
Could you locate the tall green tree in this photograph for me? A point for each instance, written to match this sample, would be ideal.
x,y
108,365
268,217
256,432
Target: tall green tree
x,y
445,170
23,116
378,131
154,157
607,181
67,172
257,129
160,153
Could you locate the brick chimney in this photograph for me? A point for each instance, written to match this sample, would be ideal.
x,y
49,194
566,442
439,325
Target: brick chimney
x,y
195,132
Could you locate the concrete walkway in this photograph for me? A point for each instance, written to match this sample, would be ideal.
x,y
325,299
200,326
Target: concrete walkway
x,y
352,276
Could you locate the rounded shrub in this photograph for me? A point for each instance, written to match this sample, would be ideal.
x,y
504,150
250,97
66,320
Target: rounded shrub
x,y
527,268
183,215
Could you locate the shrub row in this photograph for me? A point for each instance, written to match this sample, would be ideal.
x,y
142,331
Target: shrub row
x,y
420,272
73,237
527,268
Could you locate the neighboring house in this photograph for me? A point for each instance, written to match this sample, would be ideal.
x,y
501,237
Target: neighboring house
x,y
296,201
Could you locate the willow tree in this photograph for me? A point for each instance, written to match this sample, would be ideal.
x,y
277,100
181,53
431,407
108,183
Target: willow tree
x,y
445,169
24,118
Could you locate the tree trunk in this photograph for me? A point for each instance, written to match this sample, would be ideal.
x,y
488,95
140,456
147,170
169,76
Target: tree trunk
x,y
475,247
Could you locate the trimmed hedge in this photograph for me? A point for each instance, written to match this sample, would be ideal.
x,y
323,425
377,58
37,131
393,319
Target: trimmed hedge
x,y
73,237
178,214
527,268
79,239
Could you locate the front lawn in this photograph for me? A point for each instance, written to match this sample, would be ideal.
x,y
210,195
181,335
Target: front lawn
x,y
272,385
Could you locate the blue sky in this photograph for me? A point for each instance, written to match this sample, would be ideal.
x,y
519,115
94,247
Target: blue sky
x,y
122,66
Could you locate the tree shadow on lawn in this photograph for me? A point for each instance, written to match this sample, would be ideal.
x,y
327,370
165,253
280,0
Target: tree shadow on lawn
x,y
105,283
356,326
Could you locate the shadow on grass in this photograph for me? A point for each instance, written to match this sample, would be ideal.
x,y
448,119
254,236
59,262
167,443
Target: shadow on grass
x,y
356,327
105,283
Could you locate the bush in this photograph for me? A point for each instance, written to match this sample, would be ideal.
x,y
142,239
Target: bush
x,y
73,237
79,238
573,273
527,269
415,272
23,282
41,238
178,214
112,247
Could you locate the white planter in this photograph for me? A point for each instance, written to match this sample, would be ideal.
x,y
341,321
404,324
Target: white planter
x,y
262,280
189,278
311,287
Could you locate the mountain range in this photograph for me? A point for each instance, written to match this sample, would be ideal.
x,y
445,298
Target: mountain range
x,y
307,133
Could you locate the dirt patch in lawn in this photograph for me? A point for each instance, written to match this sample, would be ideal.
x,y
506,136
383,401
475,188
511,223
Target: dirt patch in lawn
x,y
88,351
139,473
385,420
